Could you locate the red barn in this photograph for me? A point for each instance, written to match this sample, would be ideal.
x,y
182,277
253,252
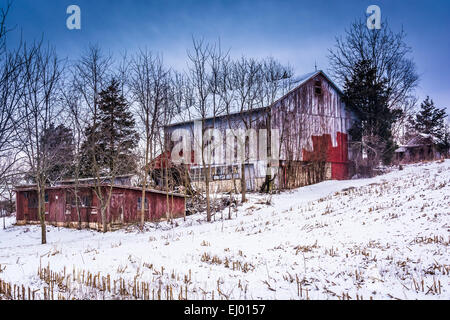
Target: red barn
x,y
62,209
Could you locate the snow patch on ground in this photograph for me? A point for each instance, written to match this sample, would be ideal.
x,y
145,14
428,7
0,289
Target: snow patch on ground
x,y
380,238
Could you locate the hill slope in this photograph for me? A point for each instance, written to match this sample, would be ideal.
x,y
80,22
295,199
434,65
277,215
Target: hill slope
x,y
380,238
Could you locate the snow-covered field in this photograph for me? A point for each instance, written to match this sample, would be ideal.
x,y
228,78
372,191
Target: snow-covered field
x,y
380,238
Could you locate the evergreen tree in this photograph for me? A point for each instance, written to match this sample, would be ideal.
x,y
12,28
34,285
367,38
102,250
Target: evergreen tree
x,y
367,98
112,138
58,149
430,119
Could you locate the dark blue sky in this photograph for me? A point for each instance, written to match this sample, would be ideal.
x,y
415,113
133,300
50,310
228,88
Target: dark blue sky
x,y
297,31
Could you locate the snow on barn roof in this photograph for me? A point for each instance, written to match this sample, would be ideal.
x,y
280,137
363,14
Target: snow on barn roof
x,y
192,114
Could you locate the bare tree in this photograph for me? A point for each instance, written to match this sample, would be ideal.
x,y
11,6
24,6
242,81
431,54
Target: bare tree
x,y
214,144
90,74
77,118
228,95
182,100
149,84
388,53
11,91
199,76
205,78
246,82
122,74
294,120
277,80
3,29
39,109
7,193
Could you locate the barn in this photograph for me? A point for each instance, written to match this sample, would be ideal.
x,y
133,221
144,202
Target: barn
x,y
420,147
63,210
313,140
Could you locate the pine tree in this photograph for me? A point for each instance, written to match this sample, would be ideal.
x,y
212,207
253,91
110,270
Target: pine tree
x,y
112,138
117,125
430,119
58,149
367,98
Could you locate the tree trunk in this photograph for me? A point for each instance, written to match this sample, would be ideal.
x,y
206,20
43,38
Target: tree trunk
x,y
78,214
243,184
208,203
206,170
229,207
104,222
143,204
77,206
167,192
186,186
41,211
268,182
144,184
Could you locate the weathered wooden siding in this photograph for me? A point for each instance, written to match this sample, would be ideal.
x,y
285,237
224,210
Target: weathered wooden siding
x,y
123,208
314,127
313,124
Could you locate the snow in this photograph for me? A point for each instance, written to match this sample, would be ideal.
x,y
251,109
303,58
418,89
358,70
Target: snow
x,y
9,221
380,238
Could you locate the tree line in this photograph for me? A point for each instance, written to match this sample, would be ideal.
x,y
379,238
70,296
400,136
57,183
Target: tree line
x,y
101,116
379,78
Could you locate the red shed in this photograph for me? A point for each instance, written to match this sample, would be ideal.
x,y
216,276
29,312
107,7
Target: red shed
x,y
124,207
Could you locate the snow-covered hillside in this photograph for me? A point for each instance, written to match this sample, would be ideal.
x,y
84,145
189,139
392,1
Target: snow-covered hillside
x,y
380,238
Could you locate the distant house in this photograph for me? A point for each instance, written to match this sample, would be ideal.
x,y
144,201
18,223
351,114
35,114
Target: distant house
x,y
62,207
313,124
419,148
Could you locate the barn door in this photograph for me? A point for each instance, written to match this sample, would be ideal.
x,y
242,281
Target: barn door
x,y
117,208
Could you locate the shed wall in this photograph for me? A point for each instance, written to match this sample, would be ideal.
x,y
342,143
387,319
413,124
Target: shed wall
x,y
123,208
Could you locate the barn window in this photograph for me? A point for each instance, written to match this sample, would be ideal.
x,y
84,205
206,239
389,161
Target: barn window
x,y
46,197
225,173
198,174
86,201
70,199
139,203
32,201
318,87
